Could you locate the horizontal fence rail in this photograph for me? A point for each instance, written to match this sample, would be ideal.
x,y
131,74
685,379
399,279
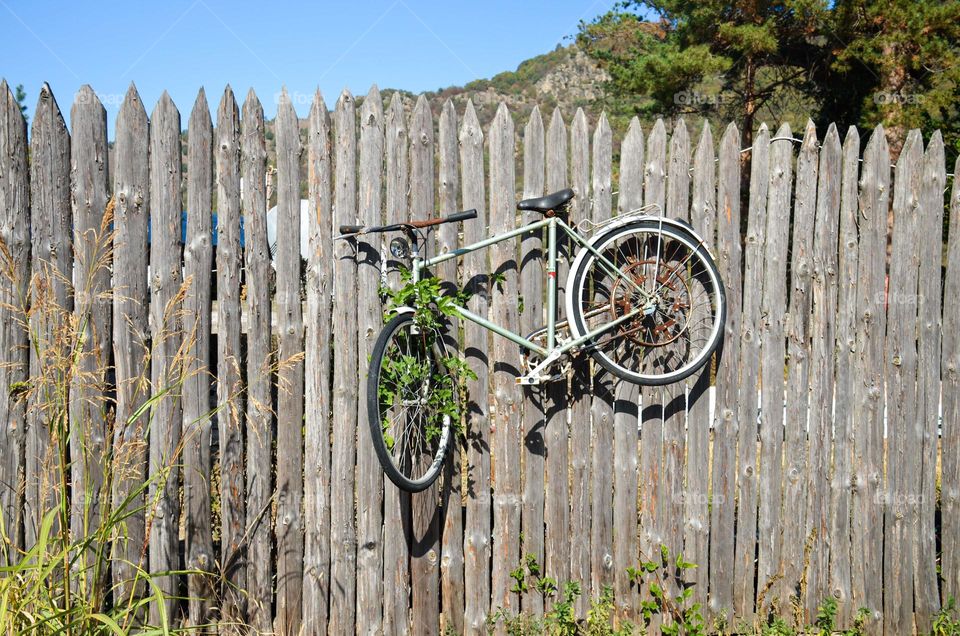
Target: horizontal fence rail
x,y
817,457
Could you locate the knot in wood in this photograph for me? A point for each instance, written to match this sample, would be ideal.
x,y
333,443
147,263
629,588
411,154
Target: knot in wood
x,y
607,562
432,557
897,361
748,471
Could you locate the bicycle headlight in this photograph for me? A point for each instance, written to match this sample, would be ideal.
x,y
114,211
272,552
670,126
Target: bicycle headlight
x,y
399,248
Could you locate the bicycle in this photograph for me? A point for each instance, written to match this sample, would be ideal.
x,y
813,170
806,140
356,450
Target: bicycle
x,y
643,298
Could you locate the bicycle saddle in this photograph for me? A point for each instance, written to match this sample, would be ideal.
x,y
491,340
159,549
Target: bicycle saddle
x,y
547,203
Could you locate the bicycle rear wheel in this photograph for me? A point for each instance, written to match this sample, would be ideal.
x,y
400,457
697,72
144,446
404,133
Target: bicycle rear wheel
x,y
411,401
665,269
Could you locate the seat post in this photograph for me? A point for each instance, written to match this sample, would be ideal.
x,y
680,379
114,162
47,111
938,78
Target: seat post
x,y
552,283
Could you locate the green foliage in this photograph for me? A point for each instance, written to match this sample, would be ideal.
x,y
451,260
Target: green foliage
x,y
21,96
947,621
680,615
405,373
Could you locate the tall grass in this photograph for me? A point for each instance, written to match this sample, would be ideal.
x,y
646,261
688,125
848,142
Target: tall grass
x,y
62,583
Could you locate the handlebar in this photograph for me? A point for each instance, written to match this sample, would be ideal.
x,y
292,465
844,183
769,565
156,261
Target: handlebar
x,y
353,230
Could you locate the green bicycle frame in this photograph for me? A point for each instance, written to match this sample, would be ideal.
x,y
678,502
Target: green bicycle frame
x,y
419,264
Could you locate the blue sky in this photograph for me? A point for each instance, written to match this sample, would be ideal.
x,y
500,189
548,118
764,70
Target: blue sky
x,y
181,45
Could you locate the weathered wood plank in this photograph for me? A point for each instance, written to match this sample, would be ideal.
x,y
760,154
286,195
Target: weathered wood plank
x,y
670,499
626,412
343,553
52,223
369,323
166,370
451,549
318,363
727,418
651,415
605,388
197,303
289,523
425,548
532,317
797,328
950,377
845,330
131,177
932,188
92,311
867,513
651,509
14,337
581,385
476,547
556,505
230,421
696,492
900,369
505,427
259,410
773,305
823,295
396,560
744,568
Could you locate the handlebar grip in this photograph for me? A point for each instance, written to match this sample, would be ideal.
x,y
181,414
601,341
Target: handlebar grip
x,y
466,215
351,229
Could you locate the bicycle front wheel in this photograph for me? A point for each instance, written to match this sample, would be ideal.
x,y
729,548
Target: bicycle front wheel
x,y
663,271
411,400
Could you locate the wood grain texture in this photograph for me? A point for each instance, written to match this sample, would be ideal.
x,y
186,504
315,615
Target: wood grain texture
x,y
343,547
505,429
626,412
823,295
166,330
605,388
867,513
929,303
845,335
424,543
396,559
451,548
259,362
900,500
950,376
533,317
369,322
14,283
230,420
797,328
318,364
51,221
197,304
477,532
773,305
131,188
671,497
92,313
556,505
744,567
651,415
727,417
696,491
581,383
289,523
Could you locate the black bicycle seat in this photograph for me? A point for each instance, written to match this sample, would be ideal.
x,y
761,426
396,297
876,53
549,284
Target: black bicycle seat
x,y
550,202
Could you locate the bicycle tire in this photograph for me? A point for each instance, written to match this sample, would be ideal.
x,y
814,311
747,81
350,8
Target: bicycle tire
x,y
374,413
578,281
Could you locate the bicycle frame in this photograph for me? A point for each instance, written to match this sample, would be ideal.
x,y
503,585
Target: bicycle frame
x,y
553,350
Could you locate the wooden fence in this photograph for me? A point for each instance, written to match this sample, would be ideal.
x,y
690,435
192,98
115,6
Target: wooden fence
x,y
846,485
